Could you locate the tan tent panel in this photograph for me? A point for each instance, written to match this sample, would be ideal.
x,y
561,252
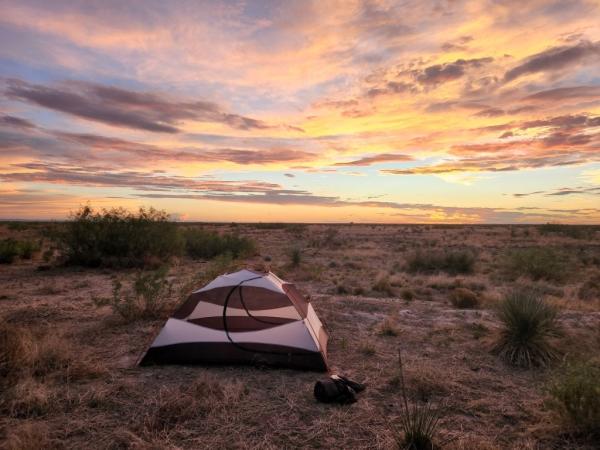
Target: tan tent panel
x,y
245,317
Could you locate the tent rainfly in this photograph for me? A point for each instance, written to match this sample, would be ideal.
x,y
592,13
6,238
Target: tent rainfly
x,y
245,317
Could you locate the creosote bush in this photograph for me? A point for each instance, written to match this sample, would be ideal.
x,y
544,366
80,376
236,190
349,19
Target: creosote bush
x,y
146,297
120,238
450,261
205,244
527,325
538,263
575,395
11,249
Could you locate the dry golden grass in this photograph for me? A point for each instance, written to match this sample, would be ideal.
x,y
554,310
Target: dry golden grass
x,y
70,380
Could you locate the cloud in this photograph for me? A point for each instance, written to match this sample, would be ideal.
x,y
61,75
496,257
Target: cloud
x,y
459,44
578,121
579,190
565,93
442,73
125,108
368,160
15,122
75,147
146,181
390,87
556,58
150,152
561,148
491,112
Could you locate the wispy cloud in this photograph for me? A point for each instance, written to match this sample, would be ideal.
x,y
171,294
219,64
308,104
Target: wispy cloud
x,y
555,59
124,108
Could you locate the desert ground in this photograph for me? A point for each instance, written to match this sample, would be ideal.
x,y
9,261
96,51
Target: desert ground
x,y
89,393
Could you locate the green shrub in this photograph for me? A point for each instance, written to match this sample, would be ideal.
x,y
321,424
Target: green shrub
x,y
538,263
450,261
11,249
527,324
575,395
205,244
28,248
120,238
464,298
146,298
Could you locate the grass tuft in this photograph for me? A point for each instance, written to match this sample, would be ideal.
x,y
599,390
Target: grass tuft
x,y
464,298
418,421
388,327
575,395
527,324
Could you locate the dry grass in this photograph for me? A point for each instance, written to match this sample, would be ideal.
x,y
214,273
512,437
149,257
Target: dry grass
x,y
66,399
464,298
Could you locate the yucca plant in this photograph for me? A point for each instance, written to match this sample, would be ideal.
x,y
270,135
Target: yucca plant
x,y
528,323
418,422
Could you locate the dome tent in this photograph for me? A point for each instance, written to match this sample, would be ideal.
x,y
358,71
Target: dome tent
x,y
245,317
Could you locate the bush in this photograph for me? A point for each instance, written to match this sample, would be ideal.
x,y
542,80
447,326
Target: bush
x,y
204,244
575,393
450,261
464,298
527,324
538,263
146,298
11,249
117,237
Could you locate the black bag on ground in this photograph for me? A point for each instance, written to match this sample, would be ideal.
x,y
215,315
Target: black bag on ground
x,y
337,389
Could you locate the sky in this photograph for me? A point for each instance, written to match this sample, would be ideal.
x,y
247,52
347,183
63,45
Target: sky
x,y
302,111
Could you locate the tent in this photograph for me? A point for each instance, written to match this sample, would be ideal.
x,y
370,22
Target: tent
x,y
245,317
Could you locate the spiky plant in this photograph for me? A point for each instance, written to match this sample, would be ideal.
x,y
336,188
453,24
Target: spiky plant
x,y
528,322
418,422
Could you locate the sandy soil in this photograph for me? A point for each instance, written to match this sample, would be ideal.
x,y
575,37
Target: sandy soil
x,y
486,404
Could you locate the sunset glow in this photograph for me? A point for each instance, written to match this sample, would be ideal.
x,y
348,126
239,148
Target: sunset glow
x,y
299,111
